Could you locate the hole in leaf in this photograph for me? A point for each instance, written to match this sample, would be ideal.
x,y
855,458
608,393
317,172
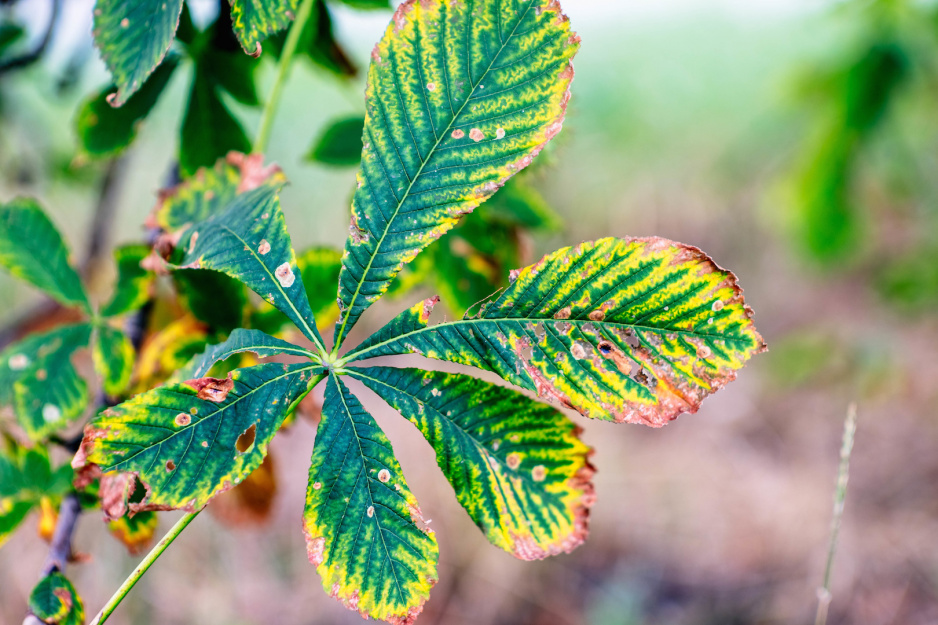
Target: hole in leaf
x,y
246,440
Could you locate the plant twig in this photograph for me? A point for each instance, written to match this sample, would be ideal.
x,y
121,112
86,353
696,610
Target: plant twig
x,y
60,550
142,568
102,222
34,55
286,58
840,493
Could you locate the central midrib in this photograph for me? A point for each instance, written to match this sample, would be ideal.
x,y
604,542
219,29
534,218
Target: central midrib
x,y
443,135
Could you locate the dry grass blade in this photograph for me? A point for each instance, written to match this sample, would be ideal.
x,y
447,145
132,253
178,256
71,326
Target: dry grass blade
x,y
840,493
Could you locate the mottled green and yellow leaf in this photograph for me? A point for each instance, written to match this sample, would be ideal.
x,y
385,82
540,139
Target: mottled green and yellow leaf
x,y
133,36
459,98
40,382
364,531
56,602
191,441
517,465
637,330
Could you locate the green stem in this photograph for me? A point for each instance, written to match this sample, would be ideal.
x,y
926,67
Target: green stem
x,y
142,568
286,58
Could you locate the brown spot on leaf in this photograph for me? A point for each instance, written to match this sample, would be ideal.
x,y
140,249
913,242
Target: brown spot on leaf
x,y
211,389
597,315
264,248
63,595
539,473
513,460
458,134
563,313
182,419
170,465
114,492
476,135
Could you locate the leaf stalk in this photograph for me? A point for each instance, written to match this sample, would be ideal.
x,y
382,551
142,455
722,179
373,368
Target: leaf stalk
x,y
142,568
283,70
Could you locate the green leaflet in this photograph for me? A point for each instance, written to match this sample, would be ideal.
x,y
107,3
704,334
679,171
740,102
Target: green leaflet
x,y
517,466
209,191
189,442
136,532
134,283
32,249
240,341
636,330
104,130
460,97
133,37
55,601
113,355
26,476
255,20
340,144
38,380
249,242
364,531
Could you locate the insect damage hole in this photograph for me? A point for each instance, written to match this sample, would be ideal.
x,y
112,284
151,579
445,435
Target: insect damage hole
x,y
246,441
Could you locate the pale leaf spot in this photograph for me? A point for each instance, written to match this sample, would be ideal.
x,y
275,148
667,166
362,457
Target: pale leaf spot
x,y
384,476
285,275
51,413
371,511
263,248
500,133
182,419
458,134
539,473
476,135
18,362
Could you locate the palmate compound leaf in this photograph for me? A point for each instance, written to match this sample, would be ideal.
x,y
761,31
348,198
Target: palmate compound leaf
x,y
517,466
33,250
40,383
636,330
190,441
56,602
364,531
460,96
133,37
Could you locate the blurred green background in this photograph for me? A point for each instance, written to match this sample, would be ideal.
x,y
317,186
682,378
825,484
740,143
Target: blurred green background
x,y
794,141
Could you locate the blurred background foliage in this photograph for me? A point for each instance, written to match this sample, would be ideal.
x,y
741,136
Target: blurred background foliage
x,y
793,140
